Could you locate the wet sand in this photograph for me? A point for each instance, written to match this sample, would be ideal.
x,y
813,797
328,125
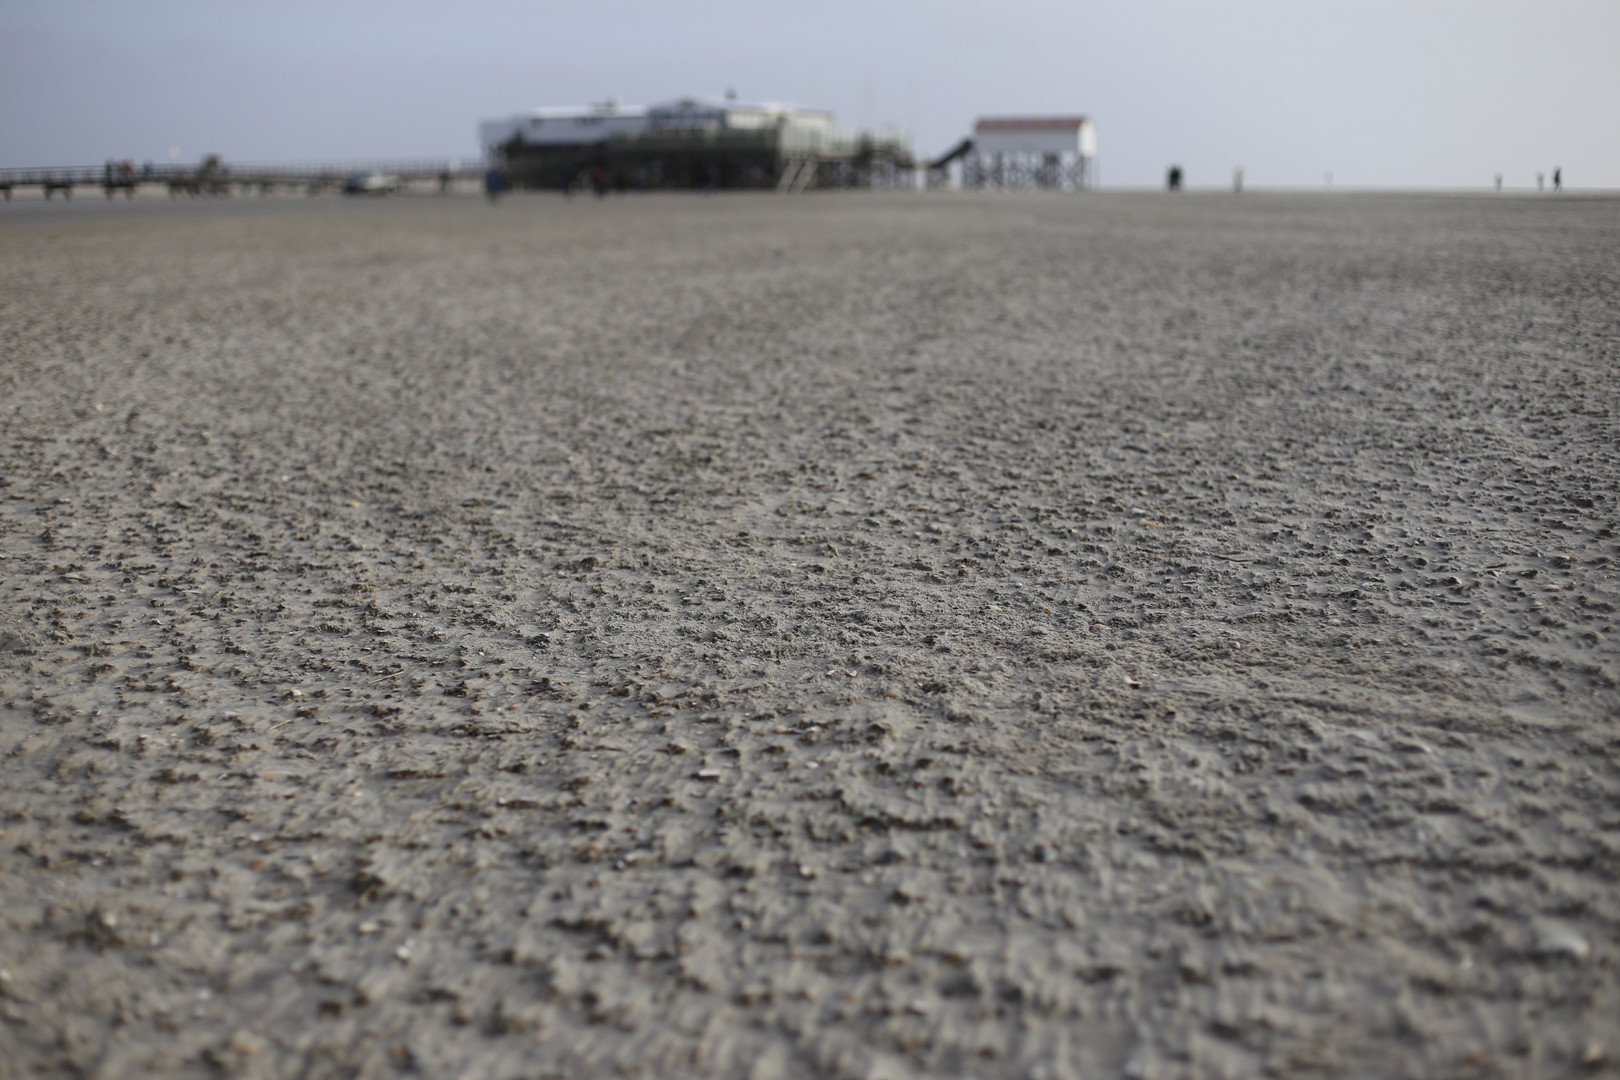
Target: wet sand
x,y
839,636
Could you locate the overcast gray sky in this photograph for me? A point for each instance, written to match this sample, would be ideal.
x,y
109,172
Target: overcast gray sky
x,y
1381,93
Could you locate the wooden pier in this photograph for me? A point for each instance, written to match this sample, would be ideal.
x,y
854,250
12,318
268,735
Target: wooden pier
x,y
214,177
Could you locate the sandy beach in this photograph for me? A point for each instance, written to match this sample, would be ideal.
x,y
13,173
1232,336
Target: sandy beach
x,y
868,636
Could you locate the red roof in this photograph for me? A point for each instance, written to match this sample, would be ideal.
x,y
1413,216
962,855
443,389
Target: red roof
x,y
1029,123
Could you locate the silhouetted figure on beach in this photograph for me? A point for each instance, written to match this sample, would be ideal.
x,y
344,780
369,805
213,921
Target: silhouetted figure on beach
x,y
494,182
1558,179
1237,180
1175,178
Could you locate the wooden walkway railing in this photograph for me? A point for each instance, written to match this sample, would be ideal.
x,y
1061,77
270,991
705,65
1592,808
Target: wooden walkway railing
x,y
214,177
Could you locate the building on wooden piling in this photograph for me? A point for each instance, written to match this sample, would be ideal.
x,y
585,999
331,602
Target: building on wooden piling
x,y
1050,152
690,143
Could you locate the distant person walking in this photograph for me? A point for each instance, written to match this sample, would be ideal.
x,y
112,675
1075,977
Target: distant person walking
x,y
494,183
1541,181
1174,181
1558,179
1237,180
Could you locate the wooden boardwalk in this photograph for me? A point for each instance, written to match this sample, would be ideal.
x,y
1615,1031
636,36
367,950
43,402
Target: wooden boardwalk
x,y
214,177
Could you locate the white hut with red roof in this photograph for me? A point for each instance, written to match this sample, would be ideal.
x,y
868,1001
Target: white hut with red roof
x,y
1055,152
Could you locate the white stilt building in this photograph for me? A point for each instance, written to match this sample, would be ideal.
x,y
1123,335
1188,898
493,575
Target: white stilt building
x,y
1053,152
